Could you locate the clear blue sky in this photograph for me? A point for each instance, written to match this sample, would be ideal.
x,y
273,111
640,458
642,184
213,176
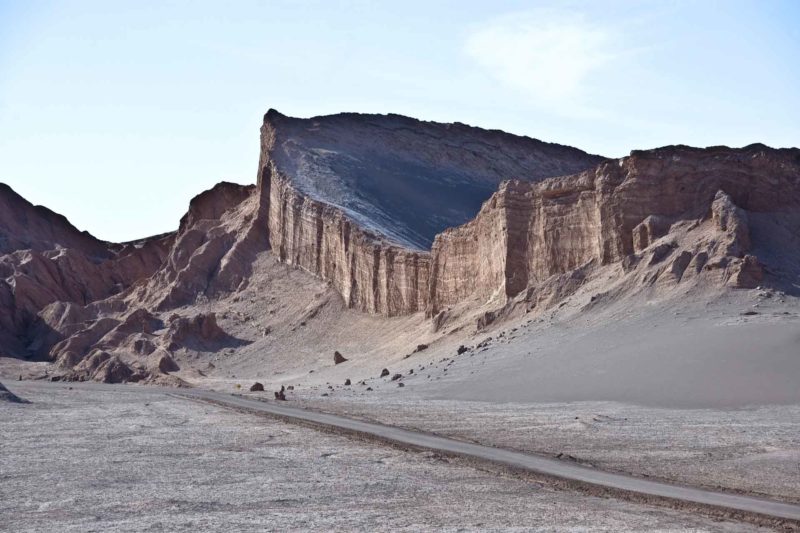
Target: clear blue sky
x,y
117,113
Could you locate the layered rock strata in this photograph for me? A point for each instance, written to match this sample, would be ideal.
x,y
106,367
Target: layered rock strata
x,y
528,232
357,199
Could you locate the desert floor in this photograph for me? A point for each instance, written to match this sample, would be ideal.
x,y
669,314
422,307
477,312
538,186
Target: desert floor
x,y
122,459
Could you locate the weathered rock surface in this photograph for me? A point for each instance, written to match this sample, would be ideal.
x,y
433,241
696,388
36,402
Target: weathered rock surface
x,y
200,332
404,178
357,200
212,251
528,232
45,260
68,303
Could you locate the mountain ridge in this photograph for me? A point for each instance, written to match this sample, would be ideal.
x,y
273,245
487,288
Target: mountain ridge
x,y
653,222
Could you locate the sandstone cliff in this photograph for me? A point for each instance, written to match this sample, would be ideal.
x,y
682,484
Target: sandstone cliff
x,y
404,178
528,232
357,199
399,217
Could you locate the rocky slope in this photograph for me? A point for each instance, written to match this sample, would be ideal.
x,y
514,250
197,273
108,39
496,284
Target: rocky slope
x,y
44,260
355,200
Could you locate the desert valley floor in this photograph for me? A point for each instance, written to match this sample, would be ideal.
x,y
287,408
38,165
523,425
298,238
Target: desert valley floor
x,y
100,458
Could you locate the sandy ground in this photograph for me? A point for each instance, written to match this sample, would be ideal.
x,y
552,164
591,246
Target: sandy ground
x,y
753,451
112,460
692,391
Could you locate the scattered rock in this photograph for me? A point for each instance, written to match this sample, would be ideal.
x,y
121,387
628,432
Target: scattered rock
x,y
396,377
401,384
8,396
167,364
384,372
281,395
461,349
347,382
746,273
113,371
661,251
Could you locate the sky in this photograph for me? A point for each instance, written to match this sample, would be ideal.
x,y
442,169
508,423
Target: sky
x,y
116,114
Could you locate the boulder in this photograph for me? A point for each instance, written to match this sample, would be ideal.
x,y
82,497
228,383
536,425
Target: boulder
x,y
257,387
166,364
113,370
338,358
8,396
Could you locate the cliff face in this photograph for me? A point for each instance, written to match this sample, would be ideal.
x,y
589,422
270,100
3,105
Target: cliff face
x,y
528,232
403,178
357,199
370,273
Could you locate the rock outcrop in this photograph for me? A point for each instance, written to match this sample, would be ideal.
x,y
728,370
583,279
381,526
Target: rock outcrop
x,y
399,217
8,396
528,232
45,260
357,199
403,178
213,248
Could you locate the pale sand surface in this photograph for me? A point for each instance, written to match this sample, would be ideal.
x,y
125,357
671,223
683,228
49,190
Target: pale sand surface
x,y
111,460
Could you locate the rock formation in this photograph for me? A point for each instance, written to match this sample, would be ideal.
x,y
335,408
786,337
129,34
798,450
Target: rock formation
x,y
399,217
93,306
357,199
528,232
45,260
8,396
399,177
